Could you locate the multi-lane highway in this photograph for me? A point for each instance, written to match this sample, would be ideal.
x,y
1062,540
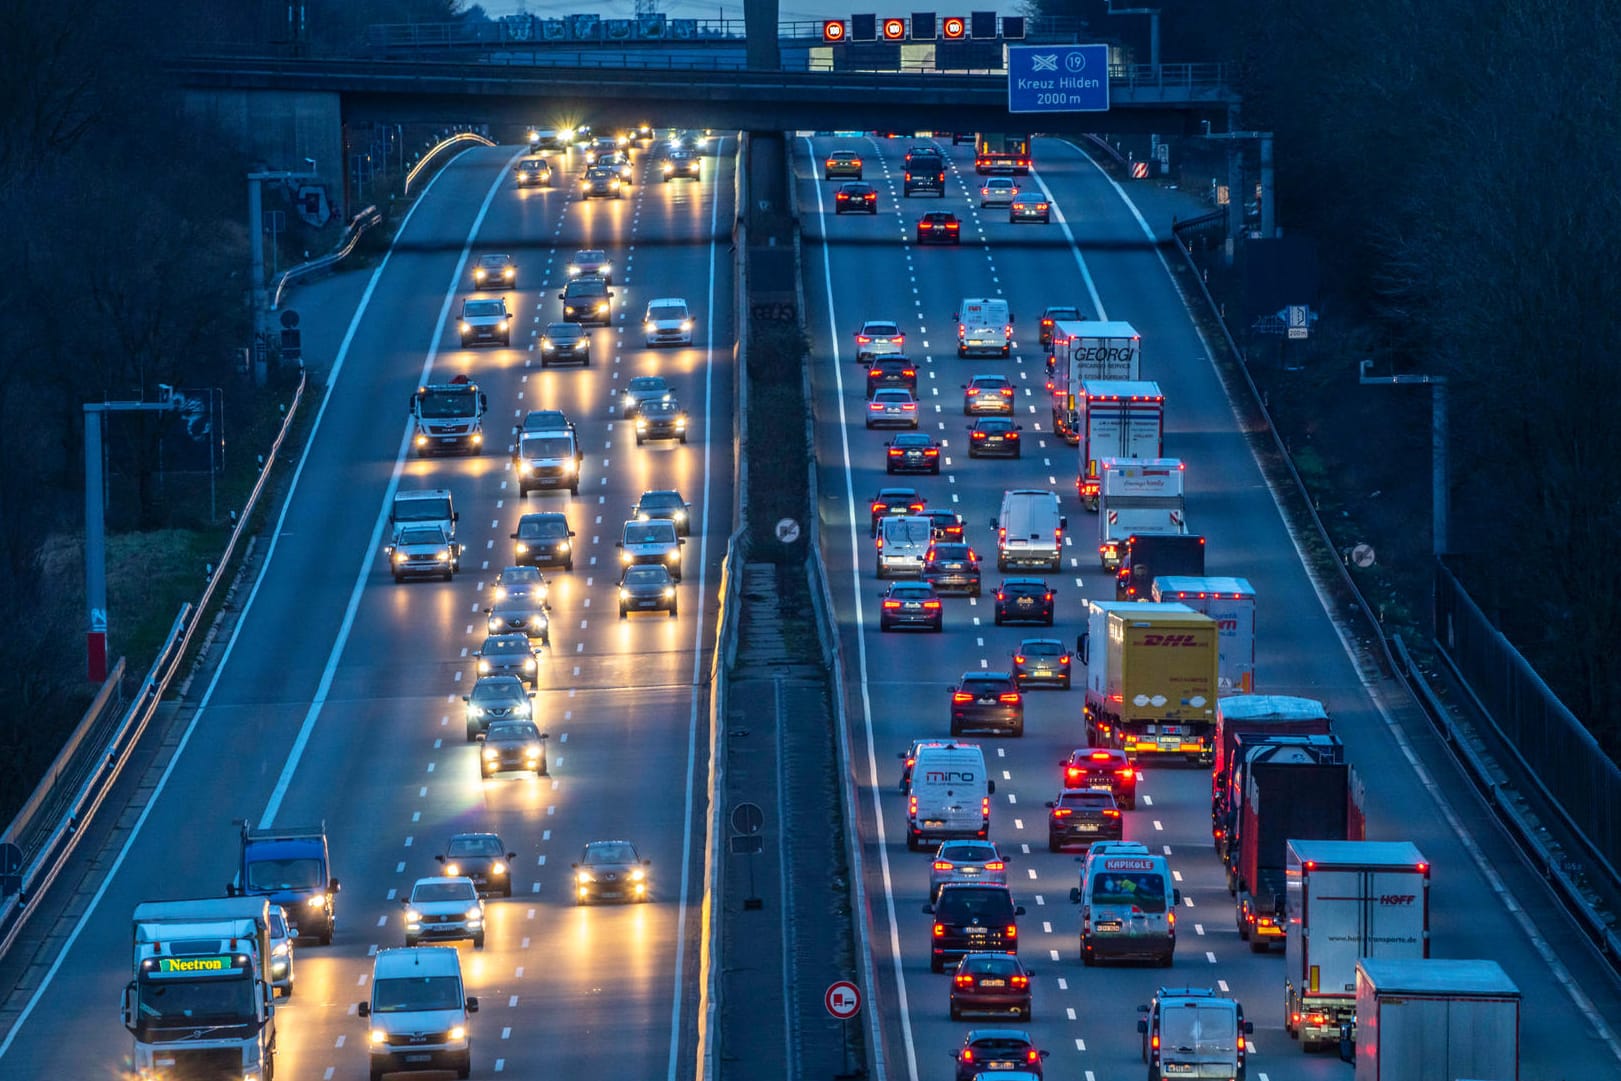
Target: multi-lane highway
x,y
338,696
1099,256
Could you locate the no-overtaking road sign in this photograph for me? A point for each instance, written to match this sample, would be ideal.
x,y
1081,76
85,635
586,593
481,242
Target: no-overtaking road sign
x,y
843,999
1057,78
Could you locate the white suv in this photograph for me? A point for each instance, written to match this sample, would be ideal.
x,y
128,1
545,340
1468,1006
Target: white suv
x,y
668,322
998,191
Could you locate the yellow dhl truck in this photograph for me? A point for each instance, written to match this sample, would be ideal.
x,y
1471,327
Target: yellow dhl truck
x,y
1151,679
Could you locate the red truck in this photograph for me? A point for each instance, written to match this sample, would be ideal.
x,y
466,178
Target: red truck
x,y
1255,715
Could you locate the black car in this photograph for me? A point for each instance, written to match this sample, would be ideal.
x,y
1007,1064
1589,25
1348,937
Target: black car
x,y
971,918
1024,600
892,502
543,540
661,420
939,227
911,604
512,746
495,698
481,857
925,171
952,567
862,197
611,871
1080,816
1057,313
912,452
664,503
565,343
891,370
647,587
992,983
988,701
682,164
587,300
995,437
643,389
1042,660
945,525
987,1051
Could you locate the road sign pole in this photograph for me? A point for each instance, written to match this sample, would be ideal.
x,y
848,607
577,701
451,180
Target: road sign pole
x,y
844,1031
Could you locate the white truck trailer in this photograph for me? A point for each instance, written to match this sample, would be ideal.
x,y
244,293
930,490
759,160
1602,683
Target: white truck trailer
x,y
1345,901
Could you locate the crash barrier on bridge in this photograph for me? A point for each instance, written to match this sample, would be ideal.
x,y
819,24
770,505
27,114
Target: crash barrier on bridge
x,y
352,233
1399,664
48,828
434,152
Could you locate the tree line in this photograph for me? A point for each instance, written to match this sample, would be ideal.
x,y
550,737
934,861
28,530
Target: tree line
x,y
1459,160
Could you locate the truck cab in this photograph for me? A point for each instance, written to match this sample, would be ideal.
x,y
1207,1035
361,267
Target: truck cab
x,y
448,418
291,867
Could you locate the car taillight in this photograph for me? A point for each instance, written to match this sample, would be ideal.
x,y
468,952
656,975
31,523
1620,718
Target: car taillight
x,y
979,435
967,1052
895,452
1062,812
985,806
939,930
943,865
879,406
1100,756
1049,598
995,865
915,508
964,980
1126,774
931,605
908,405
1072,777
931,452
1007,331
1013,932
911,805
961,696
1021,981
1007,392
1011,698
1064,659
1018,658
861,339
909,373
892,604
876,372
1110,812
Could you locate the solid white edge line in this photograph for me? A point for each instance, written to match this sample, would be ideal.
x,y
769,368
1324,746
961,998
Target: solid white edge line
x,y
1074,246
1560,973
861,646
230,643
369,557
698,642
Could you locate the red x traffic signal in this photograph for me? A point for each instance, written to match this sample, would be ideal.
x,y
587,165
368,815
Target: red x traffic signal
x,y
833,30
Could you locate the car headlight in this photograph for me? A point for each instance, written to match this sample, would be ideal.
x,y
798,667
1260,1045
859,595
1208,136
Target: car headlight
x,y
483,666
475,914
637,875
508,272
281,949
378,1036
521,710
479,273
547,343
602,305
496,623
650,326
672,555
626,557
458,1032
441,555
525,468
491,754
583,343
529,664
562,546
686,325
504,324
422,440
585,185
669,591
462,326
453,870
474,713
570,466
413,916
498,868
522,548
641,424
624,594
399,557
584,876
679,516
318,901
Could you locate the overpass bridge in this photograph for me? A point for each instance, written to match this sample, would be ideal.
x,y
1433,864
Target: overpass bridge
x,y
684,90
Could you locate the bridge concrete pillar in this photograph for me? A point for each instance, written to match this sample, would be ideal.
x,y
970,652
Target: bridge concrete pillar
x,y
773,274
760,30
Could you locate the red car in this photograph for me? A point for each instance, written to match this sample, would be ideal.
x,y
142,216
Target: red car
x,y
1098,767
939,227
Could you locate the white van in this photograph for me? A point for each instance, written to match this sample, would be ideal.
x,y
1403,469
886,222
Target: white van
x,y
1030,530
984,327
1128,908
950,795
418,990
902,543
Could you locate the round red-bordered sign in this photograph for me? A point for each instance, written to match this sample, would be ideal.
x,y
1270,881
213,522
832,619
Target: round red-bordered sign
x,y
842,999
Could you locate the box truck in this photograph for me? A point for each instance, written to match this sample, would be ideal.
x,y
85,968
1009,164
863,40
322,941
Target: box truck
x,y
1231,603
1150,679
1434,1019
1115,419
1083,350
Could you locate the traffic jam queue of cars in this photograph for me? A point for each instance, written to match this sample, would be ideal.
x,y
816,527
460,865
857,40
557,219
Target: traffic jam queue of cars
x,y
1286,806
418,987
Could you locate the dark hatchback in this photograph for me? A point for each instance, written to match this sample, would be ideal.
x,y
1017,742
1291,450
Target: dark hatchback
x,y
995,437
1024,600
911,604
1081,816
990,983
891,370
987,701
952,568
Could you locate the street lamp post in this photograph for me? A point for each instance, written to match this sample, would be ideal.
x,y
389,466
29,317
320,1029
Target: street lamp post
x,y
1439,498
95,520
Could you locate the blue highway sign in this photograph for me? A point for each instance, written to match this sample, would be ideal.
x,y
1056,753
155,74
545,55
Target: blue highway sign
x,y
1057,78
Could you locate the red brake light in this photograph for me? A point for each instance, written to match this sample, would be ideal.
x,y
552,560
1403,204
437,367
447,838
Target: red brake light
x,y
1013,932
965,980
1128,773
931,452
1423,868
1018,658
1072,775
931,605
892,604
942,865
1021,981
995,865
876,372
1062,812
895,452
1100,756
1030,1055
961,696
1110,812
1012,697
967,1052
915,508
861,339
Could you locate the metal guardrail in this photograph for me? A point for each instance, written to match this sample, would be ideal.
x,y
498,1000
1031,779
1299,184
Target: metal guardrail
x,y
438,148
352,233
1397,662
95,764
